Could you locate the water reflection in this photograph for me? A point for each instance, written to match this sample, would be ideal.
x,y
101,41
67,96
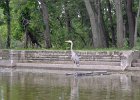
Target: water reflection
x,y
45,86
74,94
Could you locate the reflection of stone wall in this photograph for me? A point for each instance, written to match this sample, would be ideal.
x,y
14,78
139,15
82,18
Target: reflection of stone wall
x,y
105,87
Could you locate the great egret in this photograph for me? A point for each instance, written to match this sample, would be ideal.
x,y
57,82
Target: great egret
x,y
74,56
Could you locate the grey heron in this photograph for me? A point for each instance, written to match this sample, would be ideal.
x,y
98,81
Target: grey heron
x,y
74,56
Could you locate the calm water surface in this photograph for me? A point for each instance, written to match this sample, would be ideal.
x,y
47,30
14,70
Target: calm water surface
x,y
17,85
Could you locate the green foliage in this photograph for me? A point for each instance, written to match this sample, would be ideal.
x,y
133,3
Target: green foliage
x,y
139,26
3,36
137,47
80,25
27,10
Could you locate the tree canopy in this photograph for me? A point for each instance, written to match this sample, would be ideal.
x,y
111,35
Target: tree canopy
x,y
88,23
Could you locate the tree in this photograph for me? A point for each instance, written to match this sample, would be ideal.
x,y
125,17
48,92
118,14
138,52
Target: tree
x,y
89,23
136,25
96,23
113,33
120,26
5,5
8,24
45,16
131,22
67,17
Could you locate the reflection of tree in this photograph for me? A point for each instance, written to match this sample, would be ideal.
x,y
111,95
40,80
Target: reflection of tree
x,y
74,95
1,94
6,87
9,86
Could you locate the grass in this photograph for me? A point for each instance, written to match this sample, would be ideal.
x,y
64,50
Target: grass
x,y
137,47
84,49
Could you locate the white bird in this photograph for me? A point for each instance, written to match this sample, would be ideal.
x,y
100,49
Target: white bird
x,y
74,56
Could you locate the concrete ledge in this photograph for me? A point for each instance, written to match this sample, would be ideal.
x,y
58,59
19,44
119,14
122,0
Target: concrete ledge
x,y
6,65
133,69
68,67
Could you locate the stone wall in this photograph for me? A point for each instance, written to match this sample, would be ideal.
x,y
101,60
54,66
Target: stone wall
x,y
4,56
50,56
62,55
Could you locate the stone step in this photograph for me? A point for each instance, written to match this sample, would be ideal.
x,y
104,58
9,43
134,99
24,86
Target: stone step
x,y
133,69
69,59
137,60
98,56
81,62
92,63
63,52
104,60
89,63
135,64
5,64
81,57
4,61
68,67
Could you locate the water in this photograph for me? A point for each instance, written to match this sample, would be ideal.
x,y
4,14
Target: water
x,y
18,85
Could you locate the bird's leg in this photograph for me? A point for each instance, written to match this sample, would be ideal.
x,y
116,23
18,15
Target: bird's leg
x,y
74,68
77,64
75,71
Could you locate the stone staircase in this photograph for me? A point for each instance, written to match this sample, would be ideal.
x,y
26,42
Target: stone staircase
x,y
89,60
102,58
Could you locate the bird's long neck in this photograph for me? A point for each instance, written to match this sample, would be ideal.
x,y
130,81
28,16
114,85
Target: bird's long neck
x,y
71,47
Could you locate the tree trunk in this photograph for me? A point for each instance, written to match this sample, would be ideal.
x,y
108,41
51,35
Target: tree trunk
x,y
67,17
131,22
104,36
1,42
120,26
46,22
8,24
96,26
26,38
112,25
25,23
136,25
